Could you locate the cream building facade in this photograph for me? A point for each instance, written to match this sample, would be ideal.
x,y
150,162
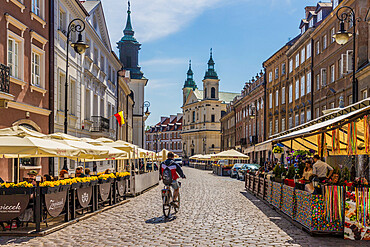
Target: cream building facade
x,y
92,77
202,111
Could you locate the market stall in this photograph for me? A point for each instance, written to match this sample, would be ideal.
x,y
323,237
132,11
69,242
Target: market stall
x,y
226,159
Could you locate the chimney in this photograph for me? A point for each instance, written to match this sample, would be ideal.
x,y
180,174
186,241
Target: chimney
x,y
308,9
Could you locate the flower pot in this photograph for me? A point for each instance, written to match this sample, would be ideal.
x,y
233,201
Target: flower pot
x,y
49,190
278,155
17,191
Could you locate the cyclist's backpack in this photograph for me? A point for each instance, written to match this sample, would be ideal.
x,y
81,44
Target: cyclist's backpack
x,y
167,176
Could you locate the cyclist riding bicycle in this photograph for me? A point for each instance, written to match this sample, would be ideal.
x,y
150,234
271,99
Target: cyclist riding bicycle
x,y
170,172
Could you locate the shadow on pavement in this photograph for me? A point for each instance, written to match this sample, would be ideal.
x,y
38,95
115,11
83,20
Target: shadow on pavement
x,y
13,240
161,219
298,235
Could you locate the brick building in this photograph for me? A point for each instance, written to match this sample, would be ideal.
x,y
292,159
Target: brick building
x,y
165,135
228,128
24,82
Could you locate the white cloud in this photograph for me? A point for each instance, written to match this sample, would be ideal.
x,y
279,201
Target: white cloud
x,y
160,84
164,62
153,19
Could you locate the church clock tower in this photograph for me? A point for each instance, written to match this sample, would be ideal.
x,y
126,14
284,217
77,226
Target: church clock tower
x,y
189,84
211,81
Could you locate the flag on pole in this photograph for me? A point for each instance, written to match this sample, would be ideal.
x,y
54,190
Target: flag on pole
x,y
120,118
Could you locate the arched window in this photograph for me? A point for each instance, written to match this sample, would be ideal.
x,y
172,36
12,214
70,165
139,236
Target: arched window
x,y
205,93
213,93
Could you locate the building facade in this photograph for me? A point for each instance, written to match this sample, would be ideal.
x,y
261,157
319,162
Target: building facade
x,y
202,112
92,77
165,135
129,48
228,128
24,81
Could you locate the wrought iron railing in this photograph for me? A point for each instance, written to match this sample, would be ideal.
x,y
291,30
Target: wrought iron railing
x,y
4,78
100,124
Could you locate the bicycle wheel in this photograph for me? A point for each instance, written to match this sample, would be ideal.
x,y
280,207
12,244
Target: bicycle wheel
x,y
166,205
176,205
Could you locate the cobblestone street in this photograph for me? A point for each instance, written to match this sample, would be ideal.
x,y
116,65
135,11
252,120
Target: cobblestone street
x,y
215,211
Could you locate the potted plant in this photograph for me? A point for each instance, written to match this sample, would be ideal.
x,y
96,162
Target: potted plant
x,y
278,152
106,178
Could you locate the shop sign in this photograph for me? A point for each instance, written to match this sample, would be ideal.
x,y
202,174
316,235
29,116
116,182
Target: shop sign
x,y
12,206
55,202
84,196
121,187
104,190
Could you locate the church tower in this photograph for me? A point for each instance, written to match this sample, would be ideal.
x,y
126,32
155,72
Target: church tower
x,y
189,84
211,81
129,49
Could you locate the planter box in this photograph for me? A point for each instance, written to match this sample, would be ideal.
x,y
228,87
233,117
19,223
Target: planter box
x,y
64,187
108,180
269,191
76,185
94,182
49,190
16,191
85,185
276,194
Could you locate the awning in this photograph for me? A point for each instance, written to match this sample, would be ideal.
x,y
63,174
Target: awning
x,y
249,150
263,146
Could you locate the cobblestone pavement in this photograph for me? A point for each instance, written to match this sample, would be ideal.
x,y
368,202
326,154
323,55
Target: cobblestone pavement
x,y
215,211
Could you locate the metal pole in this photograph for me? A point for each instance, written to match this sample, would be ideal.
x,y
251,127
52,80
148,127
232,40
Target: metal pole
x,y
66,93
354,82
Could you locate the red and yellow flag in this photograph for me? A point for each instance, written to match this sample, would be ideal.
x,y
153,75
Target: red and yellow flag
x,y
120,118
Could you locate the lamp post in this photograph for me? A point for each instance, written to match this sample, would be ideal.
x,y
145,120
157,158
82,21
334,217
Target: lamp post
x,y
147,113
342,37
255,116
75,26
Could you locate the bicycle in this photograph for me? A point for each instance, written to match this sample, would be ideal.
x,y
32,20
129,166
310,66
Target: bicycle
x,y
168,202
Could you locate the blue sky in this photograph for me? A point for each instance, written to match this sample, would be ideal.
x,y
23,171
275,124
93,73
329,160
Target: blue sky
x,y
242,33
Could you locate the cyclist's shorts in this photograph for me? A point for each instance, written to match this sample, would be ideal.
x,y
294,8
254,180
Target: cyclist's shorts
x,y
175,185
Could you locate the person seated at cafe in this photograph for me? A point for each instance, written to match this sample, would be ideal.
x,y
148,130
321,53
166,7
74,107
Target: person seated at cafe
x,y
63,174
47,177
107,171
79,172
87,172
335,179
307,172
321,168
309,187
32,177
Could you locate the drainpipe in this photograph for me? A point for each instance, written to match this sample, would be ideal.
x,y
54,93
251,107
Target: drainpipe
x,y
312,79
51,78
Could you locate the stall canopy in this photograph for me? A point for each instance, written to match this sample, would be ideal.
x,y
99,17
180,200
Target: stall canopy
x,y
230,155
345,131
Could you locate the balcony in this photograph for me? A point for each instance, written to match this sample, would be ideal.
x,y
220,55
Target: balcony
x,y
253,140
99,124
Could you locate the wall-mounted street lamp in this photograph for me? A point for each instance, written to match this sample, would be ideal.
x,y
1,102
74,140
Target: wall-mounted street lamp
x,y
75,26
343,36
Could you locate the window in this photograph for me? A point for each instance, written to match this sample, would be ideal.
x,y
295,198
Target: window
x,y
297,89
96,59
311,23
302,117
309,82
317,47
283,95
350,100
290,65
213,93
212,118
35,69
308,115
302,85
303,29
308,50
290,93
193,116
282,124
290,122
332,32
62,21
72,98
283,69
317,82
324,42
276,72
276,126
364,94
61,85
317,112
303,55
205,93
36,7
319,16
349,61
323,77
332,73
109,73
270,77
13,58
332,105
324,108
102,63
277,98
270,100
270,128
297,60
296,119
